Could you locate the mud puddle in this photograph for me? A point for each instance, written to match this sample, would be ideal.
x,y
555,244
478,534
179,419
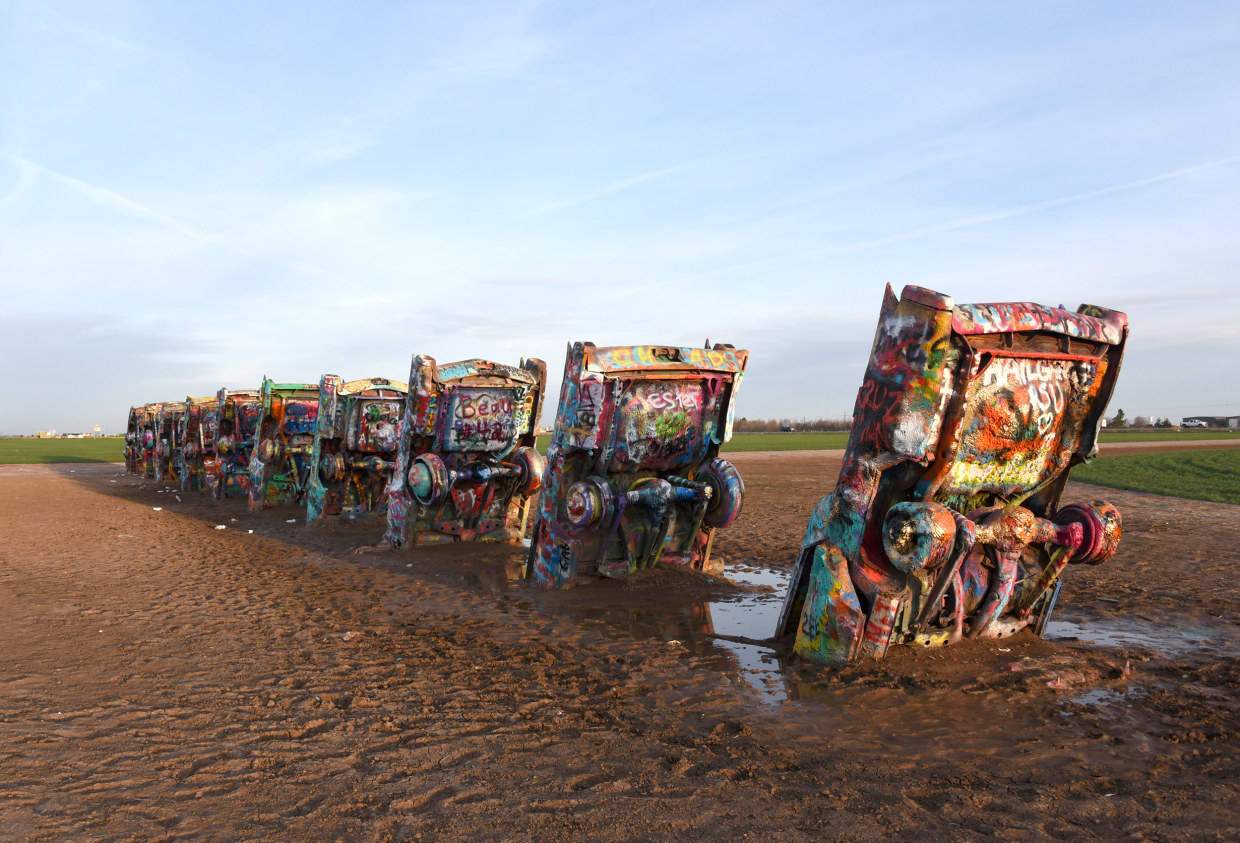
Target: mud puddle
x,y
717,622
1173,639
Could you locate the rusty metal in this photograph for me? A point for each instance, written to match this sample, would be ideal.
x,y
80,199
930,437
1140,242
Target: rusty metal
x,y
280,468
633,476
466,464
945,521
356,438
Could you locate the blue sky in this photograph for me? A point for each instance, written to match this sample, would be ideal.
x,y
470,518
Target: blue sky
x,y
195,194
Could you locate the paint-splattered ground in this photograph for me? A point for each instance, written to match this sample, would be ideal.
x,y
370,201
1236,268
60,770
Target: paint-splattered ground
x,y
161,678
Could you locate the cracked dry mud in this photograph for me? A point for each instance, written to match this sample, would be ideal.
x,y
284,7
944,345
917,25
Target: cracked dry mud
x,y
162,679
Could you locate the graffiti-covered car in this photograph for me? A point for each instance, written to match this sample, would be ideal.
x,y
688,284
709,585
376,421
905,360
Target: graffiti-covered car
x,y
356,438
139,438
168,432
946,520
237,415
633,474
279,472
466,465
199,425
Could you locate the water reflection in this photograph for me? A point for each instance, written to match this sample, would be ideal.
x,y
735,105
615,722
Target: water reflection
x,y
731,634
1170,639
706,630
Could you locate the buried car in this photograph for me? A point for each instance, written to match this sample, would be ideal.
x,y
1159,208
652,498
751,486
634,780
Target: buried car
x,y
139,438
633,475
356,438
237,415
198,433
946,520
279,470
168,433
466,463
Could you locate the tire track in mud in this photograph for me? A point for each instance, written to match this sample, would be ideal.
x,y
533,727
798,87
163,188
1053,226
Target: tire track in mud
x,y
330,706
170,680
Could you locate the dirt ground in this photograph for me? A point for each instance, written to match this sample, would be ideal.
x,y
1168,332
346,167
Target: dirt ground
x,y
162,678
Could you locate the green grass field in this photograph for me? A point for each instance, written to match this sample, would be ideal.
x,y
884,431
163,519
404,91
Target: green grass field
x,y
786,441
103,449
1206,474
1167,435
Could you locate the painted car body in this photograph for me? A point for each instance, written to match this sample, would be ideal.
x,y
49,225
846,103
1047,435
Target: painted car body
x,y
168,432
279,471
633,475
356,439
137,439
945,521
199,425
466,465
237,415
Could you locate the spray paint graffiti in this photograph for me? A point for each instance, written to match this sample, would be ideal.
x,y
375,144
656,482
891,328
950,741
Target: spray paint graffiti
x,y
139,430
238,412
279,469
168,429
356,436
633,476
465,464
198,431
945,520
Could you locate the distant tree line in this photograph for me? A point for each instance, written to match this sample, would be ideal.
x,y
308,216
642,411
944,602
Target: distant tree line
x,y
1120,420
744,425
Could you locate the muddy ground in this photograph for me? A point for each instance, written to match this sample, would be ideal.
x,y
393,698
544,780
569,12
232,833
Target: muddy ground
x,y
161,678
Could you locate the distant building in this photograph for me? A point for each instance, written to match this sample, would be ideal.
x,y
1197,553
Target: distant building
x,y
46,434
1232,422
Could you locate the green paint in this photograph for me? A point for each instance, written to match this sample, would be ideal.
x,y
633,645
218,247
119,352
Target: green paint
x,y
671,425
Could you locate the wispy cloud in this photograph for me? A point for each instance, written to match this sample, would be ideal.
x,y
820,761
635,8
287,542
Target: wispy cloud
x,y
1034,207
110,199
613,188
59,25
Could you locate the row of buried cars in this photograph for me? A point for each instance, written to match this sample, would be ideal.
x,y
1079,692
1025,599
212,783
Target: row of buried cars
x,y
945,521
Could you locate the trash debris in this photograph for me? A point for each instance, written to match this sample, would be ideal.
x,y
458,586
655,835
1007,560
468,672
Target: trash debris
x,y
290,521
221,526
157,508
349,636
